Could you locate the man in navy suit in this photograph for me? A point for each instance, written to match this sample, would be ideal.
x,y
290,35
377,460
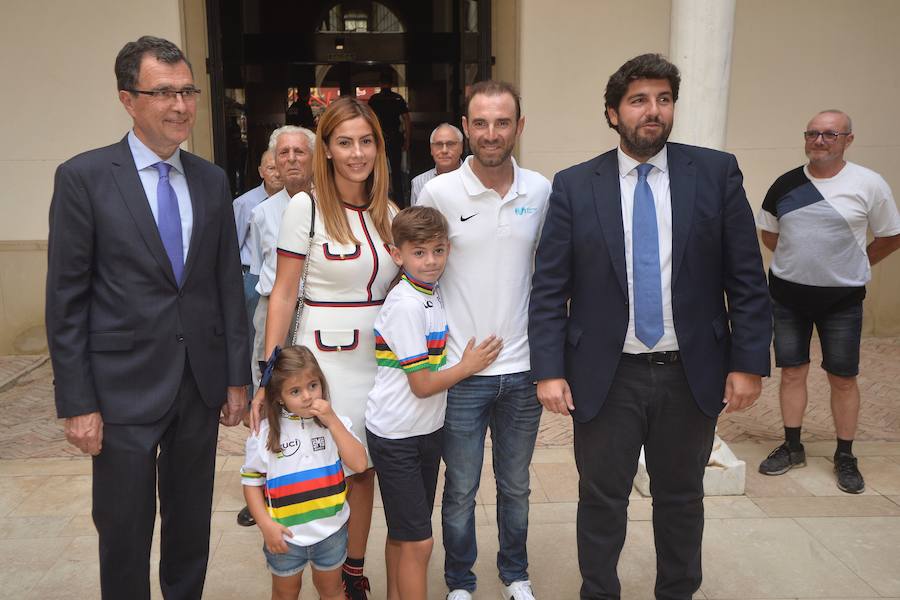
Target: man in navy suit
x,y
630,328
146,326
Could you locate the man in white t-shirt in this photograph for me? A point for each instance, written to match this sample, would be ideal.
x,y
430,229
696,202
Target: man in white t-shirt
x,y
815,218
496,211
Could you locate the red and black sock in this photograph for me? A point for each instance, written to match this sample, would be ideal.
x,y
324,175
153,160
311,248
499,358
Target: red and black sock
x,y
356,585
353,567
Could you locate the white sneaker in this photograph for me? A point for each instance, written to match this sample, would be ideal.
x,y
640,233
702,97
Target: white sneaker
x,y
459,595
517,590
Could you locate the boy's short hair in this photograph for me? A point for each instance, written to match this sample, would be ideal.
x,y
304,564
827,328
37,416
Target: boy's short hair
x,y
419,224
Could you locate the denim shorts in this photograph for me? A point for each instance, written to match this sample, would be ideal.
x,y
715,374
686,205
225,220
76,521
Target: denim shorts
x,y
327,555
407,471
840,333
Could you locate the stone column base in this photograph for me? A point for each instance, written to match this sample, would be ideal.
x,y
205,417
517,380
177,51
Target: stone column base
x,y
724,476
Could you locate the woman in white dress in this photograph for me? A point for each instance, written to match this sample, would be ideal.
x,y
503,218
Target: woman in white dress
x,y
350,271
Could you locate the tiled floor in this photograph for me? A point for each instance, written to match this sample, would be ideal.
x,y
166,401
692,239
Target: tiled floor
x,y
793,536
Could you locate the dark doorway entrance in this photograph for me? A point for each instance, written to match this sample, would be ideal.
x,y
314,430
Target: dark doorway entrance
x,y
265,54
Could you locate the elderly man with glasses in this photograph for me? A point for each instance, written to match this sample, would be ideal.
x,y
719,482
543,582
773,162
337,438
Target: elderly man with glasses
x,y
446,150
815,219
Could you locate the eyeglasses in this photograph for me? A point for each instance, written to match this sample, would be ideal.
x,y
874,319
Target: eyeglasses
x,y
188,94
444,145
827,136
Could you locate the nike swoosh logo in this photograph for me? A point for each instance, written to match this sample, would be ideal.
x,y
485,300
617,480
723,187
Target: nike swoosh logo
x,y
462,218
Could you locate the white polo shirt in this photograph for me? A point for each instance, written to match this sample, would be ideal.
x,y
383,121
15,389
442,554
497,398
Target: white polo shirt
x,y
487,281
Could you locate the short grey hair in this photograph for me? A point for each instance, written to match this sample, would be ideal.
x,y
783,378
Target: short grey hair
x,y
310,136
459,134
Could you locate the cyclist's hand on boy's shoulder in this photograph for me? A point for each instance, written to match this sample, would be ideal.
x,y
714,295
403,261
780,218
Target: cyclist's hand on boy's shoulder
x,y
273,535
477,358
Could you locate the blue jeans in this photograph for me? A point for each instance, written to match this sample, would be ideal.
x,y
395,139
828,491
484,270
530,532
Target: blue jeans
x,y
325,555
508,403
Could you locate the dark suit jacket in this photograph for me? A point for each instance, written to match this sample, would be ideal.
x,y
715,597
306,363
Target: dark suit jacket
x,y
715,254
118,326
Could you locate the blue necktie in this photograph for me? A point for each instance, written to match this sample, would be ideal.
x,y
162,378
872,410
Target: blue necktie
x,y
169,220
648,316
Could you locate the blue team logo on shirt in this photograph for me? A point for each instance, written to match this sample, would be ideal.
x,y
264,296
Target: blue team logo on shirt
x,y
525,210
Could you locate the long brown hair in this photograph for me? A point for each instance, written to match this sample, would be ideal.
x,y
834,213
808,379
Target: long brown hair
x,y
291,361
329,201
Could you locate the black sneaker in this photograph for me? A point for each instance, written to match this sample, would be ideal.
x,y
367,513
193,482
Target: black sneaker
x,y
849,479
355,587
782,459
245,519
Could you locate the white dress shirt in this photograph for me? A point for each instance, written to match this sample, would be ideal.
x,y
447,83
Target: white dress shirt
x,y
418,183
265,223
658,179
144,159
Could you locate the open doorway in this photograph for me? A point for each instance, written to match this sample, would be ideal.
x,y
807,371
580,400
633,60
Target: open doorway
x,y
269,55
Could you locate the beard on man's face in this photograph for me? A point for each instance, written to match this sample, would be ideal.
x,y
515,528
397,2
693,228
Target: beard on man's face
x,y
492,159
645,144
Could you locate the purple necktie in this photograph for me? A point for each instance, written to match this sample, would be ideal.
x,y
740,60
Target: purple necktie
x,y
169,220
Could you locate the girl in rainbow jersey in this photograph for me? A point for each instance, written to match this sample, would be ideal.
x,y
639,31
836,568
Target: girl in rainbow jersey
x,y
293,476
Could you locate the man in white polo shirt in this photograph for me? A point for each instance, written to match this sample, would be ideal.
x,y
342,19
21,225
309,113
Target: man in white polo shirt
x,y
495,210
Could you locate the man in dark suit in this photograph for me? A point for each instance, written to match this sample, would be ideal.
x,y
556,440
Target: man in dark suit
x,y
630,329
146,326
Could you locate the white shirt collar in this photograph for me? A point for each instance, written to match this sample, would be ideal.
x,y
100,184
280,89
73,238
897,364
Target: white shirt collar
x,y
144,157
473,185
660,160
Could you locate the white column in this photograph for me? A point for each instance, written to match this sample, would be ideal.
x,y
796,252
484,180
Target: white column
x,y
700,45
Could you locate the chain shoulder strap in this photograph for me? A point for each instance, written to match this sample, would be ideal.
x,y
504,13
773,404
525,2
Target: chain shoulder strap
x,y
301,292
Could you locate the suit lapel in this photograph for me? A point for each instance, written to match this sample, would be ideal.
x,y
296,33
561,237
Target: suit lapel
x,y
132,191
198,207
683,185
608,201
